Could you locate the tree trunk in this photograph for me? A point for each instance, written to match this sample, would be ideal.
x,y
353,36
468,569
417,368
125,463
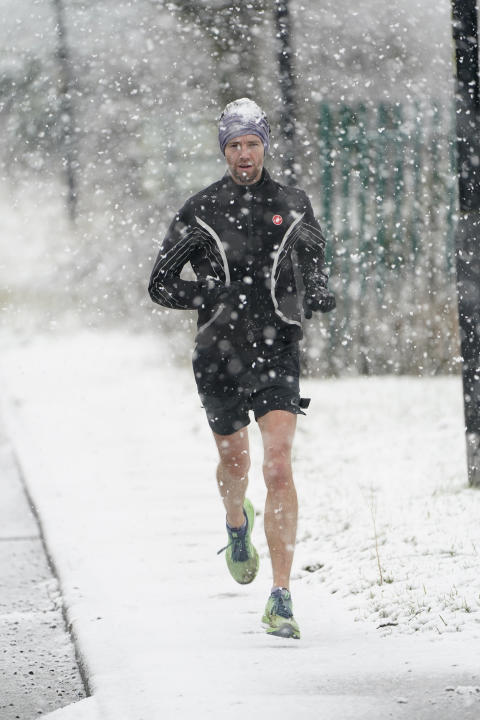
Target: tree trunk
x,y
66,119
465,34
287,88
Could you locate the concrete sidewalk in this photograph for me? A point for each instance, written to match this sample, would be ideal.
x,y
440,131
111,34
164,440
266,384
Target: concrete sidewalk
x,y
223,664
38,671
124,485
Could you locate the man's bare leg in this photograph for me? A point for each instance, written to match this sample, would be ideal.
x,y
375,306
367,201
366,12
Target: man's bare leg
x,y
281,508
232,473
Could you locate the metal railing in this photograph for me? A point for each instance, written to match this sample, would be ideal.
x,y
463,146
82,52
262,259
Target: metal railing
x,y
388,190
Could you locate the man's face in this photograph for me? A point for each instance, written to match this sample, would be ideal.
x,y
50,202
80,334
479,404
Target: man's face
x,y
244,156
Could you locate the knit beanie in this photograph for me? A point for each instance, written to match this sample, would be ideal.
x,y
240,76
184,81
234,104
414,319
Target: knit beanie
x,y
243,117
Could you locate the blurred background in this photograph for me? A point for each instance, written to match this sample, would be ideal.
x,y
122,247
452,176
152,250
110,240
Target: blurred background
x,y
108,117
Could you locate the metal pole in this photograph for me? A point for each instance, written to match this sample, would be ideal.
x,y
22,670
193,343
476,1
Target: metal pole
x,y
467,250
287,88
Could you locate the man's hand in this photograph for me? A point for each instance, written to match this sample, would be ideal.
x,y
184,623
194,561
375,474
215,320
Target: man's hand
x,y
324,301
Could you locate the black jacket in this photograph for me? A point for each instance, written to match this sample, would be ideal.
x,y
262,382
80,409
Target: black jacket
x,y
251,249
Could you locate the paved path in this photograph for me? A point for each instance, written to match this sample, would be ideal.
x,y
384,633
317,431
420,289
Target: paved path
x,y
38,670
120,464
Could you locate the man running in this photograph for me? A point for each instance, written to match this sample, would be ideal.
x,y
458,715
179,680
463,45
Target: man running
x,y
258,253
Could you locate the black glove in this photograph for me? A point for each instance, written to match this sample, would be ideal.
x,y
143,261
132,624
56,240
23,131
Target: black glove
x,y
323,301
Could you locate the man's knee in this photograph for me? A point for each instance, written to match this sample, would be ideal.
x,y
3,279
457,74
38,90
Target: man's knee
x,y
234,453
277,471
236,465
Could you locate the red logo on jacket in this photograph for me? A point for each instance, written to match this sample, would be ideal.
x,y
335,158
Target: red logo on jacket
x,y
277,219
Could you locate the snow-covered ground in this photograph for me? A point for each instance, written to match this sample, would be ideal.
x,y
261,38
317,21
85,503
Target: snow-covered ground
x,y
120,464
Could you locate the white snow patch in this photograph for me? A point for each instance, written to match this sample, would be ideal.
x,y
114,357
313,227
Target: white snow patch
x,y
120,463
391,524
246,109
83,710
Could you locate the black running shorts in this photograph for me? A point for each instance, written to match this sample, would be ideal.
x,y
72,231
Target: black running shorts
x,y
233,381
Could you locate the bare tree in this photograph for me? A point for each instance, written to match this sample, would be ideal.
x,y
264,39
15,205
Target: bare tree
x,y
465,34
287,87
66,110
233,31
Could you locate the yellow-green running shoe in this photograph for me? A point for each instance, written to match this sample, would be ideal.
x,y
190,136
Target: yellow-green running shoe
x,y
278,616
242,558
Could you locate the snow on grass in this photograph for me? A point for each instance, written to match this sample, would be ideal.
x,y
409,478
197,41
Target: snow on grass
x,y
387,519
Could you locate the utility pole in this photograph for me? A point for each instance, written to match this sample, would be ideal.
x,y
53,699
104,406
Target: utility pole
x,y
287,88
66,120
467,250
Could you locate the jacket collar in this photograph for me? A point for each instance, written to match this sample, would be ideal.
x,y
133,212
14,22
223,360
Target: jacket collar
x,y
237,189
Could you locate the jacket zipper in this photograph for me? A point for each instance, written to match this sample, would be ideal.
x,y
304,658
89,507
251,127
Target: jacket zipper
x,y
251,269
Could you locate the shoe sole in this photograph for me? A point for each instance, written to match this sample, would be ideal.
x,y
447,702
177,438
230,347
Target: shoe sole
x,y
284,631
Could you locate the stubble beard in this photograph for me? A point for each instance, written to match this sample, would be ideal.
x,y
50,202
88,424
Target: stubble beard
x,y
247,177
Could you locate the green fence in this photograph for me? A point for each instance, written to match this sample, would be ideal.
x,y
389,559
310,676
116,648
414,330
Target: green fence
x,y
388,190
